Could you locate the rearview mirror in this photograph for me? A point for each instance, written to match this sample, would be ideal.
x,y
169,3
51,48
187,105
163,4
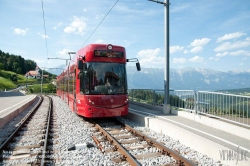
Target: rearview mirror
x,y
80,64
138,66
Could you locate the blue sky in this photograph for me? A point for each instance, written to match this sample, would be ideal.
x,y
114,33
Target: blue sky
x,y
206,34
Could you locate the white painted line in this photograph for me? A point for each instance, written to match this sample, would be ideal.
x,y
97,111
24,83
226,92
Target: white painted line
x,y
17,104
223,140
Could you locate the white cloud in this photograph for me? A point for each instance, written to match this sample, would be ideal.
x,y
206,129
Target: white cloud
x,y
19,31
239,52
230,36
63,52
196,49
222,54
179,60
179,8
77,26
151,58
174,49
43,36
126,9
186,51
213,58
149,52
100,41
99,16
58,25
200,42
196,59
39,60
229,45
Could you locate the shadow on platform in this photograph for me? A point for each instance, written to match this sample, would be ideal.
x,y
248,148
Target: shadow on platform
x,y
9,94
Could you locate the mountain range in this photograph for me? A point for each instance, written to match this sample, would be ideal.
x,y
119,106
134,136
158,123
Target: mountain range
x,y
184,79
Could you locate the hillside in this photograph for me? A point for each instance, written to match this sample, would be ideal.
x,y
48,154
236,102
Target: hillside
x,y
15,63
12,71
11,80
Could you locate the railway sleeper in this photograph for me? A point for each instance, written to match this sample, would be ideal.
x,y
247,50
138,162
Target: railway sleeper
x,y
123,137
33,128
147,155
28,146
21,133
119,159
29,139
130,141
137,147
118,132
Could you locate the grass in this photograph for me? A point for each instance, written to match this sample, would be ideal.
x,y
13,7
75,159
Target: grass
x,y
6,84
6,80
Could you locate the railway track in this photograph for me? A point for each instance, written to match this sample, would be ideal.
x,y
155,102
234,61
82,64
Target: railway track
x,y
29,142
132,146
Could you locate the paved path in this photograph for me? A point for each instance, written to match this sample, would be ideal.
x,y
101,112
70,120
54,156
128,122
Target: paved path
x,y
12,103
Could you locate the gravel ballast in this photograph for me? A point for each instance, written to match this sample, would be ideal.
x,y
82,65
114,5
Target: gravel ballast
x,y
73,133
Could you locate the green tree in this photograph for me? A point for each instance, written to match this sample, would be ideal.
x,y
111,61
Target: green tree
x,y
1,66
19,71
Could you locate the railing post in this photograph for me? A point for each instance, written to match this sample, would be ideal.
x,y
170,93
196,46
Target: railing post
x,y
132,94
154,97
195,102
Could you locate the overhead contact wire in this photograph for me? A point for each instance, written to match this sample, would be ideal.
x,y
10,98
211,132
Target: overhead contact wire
x,y
45,34
100,23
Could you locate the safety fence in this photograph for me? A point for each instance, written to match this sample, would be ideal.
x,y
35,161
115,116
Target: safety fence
x,y
228,107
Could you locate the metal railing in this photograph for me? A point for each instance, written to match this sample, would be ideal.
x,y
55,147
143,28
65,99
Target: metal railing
x,y
229,107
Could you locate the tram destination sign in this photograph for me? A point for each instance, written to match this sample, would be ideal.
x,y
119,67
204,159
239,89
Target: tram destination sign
x,y
109,54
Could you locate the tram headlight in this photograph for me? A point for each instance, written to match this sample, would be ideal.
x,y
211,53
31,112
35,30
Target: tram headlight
x,y
126,101
91,102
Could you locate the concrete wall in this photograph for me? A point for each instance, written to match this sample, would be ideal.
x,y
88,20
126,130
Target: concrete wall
x,y
5,118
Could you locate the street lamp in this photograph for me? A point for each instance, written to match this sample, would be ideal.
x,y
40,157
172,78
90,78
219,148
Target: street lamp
x,y
166,108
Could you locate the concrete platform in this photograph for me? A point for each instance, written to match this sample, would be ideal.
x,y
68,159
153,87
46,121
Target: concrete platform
x,y
12,103
219,140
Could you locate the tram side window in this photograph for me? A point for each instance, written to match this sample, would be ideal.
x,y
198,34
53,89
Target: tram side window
x,y
84,82
70,83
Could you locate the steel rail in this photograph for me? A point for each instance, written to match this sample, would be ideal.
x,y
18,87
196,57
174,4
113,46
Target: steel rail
x,y
164,150
119,147
26,118
50,109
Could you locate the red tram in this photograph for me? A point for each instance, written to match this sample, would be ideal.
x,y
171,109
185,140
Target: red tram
x,y
94,83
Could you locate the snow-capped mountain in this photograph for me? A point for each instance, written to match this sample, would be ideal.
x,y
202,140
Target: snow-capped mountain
x,y
183,79
188,79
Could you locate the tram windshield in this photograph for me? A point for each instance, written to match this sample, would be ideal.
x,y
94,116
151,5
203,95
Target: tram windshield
x,y
104,78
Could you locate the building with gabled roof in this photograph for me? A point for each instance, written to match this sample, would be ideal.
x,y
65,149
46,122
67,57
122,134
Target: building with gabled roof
x,y
33,73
